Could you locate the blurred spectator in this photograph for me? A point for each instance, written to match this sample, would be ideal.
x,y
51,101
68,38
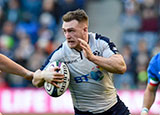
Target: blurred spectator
x,y
156,49
36,59
28,26
47,17
16,81
81,4
24,49
8,39
149,16
140,24
3,4
130,21
3,83
151,39
2,18
128,79
46,40
13,12
142,59
67,5
33,7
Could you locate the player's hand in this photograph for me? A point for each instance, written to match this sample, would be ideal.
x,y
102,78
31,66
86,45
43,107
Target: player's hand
x,y
86,49
50,76
53,76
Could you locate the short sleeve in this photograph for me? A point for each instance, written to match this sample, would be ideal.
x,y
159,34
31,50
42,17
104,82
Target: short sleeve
x,y
153,72
108,48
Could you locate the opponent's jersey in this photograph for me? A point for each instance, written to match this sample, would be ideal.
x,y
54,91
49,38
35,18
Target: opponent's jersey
x,y
91,87
154,70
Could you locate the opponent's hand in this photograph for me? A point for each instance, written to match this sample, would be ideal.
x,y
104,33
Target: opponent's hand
x,y
86,49
144,113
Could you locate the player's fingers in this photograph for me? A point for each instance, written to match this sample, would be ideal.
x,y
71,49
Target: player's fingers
x,y
84,47
59,77
58,80
58,74
82,42
56,69
53,83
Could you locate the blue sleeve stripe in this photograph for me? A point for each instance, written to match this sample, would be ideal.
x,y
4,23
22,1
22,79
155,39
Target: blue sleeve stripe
x,y
49,57
112,46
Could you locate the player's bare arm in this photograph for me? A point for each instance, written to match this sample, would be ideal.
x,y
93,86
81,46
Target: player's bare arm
x,y
9,66
149,97
113,64
47,75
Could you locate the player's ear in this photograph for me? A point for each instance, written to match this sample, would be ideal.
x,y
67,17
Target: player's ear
x,y
85,29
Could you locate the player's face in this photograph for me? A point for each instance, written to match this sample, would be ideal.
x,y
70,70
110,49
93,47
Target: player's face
x,y
72,31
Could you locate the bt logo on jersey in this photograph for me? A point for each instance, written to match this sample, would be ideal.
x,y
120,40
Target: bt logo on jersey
x,y
95,74
82,78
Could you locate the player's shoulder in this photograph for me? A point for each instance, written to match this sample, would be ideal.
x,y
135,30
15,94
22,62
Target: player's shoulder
x,y
154,64
155,59
97,36
63,46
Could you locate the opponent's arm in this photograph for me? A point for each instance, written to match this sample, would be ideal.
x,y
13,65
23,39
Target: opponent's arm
x,y
113,64
9,66
149,97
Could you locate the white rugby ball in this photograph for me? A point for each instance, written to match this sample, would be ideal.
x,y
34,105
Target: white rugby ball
x,y
51,89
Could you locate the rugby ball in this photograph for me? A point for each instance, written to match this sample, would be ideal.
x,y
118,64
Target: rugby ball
x,y
51,89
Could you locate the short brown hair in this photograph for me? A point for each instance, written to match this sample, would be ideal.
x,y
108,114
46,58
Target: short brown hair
x,y
79,15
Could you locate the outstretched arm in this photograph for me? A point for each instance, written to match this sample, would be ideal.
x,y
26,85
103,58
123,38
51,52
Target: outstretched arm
x,y
149,97
9,66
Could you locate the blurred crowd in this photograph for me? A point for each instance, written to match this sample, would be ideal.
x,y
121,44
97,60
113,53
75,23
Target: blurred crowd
x,y
28,32
140,23
29,28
